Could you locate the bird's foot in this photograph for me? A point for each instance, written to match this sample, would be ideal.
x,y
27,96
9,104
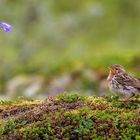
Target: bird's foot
x,y
125,101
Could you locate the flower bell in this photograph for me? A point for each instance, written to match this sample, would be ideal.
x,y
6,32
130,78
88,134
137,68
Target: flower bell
x,y
6,27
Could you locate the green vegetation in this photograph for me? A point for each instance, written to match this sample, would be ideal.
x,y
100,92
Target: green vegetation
x,y
50,38
58,46
70,116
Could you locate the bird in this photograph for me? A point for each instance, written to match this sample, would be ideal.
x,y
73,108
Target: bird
x,y
121,83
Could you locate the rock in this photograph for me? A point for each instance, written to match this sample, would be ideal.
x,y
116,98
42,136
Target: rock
x,y
27,86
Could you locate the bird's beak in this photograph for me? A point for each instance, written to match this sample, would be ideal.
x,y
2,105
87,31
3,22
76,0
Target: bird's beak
x,y
111,69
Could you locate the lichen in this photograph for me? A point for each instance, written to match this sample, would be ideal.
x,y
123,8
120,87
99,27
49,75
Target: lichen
x,y
70,116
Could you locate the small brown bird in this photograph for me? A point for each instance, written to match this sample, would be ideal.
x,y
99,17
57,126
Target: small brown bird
x,y
121,83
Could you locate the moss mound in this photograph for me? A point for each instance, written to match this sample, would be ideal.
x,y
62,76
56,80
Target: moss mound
x,y
70,117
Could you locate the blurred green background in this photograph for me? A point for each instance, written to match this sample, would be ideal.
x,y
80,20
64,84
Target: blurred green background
x,y
64,45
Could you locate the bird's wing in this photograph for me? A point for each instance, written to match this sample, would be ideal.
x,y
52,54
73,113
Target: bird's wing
x,y
128,80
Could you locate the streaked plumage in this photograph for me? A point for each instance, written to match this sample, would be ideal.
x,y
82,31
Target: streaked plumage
x,y
122,83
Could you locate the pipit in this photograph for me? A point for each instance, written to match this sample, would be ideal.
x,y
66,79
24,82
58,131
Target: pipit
x,y
122,84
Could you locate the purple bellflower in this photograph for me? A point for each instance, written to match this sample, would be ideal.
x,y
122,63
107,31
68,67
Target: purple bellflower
x,y
6,27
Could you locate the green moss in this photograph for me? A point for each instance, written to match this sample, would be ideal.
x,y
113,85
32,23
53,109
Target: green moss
x,y
73,97
70,116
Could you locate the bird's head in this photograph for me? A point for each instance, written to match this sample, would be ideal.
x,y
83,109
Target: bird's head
x,y
116,69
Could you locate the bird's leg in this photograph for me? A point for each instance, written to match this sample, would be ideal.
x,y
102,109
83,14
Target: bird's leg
x,y
125,101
